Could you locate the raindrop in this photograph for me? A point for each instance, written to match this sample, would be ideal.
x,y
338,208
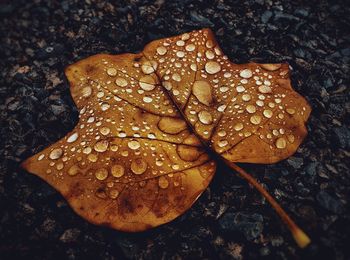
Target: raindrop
x,y
163,182
117,170
121,82
246,73
134,145
161,50
255,119
212,67
205,117
202,91
238,126
101,146
74,170
281,143
138,166
101,174
73,138
56,153
111,72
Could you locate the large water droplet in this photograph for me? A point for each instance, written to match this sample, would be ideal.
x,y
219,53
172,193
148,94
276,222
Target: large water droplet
x,y
117,170
205,117
56,153
111,72
121,82
101,174
134,145
281,143
73,138
74,170
163,182
147,83
246,73
202,91
138,166
212,67
101,146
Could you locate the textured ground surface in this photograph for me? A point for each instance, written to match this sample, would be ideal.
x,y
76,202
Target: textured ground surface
x,y
230,220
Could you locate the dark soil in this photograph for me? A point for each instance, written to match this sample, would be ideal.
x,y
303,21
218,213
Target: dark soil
x,y
38,39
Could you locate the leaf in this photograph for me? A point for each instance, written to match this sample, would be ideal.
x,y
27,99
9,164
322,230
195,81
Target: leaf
x,y
154,125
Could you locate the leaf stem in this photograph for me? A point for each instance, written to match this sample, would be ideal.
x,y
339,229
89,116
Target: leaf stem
x,y
299,235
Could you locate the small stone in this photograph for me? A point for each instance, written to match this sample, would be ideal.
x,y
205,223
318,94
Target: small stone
x,y
251,225
70,235
329,202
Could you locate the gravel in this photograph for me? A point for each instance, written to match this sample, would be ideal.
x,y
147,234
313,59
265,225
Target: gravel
x,y
38,39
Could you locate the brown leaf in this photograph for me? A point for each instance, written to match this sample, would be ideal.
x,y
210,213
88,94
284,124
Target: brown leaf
x,y
153,125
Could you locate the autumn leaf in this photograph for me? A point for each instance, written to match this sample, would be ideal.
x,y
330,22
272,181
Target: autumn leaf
x,y
154,125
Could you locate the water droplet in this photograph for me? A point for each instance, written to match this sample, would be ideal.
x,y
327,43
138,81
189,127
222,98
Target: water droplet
x,y
240,88
113,194
255,119
105,130
202,91
74,170
161,50
224,89
291,138
92,157
117,170
238,126
111,72
281,143
147,83
86,92
134,145
210,54
41,156
185,37
222,133
138,166
267,113
264,89
212,67
180,43
87,150
190,47
271,67
250,109
148,67
167,85
290,111
246,97
246,73
101,174
59,166
163,182
73,138
147,99
122,134
121,82
101,146
222,143
105,106
205,117
176,77
56,153
180,54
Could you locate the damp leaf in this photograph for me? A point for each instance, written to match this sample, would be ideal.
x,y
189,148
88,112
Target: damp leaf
x,y
154,125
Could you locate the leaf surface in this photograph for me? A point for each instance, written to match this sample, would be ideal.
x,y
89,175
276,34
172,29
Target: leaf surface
x,y
152,126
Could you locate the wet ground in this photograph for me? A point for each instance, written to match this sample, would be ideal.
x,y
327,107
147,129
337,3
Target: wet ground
x,y
38,39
